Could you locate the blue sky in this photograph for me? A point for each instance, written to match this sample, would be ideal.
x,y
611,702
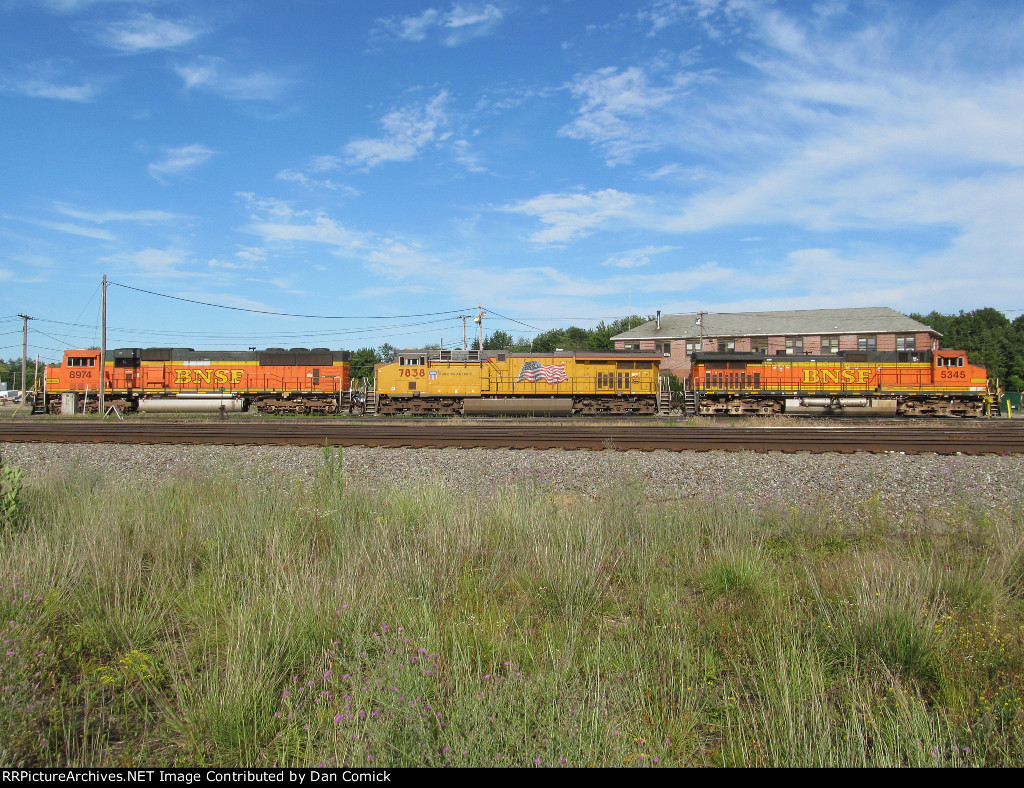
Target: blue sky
x,y
382,168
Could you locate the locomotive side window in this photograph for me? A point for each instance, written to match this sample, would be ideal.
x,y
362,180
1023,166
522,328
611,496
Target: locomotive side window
x,y
78,361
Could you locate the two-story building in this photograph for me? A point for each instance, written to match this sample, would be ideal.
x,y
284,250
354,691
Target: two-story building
x,y
801,332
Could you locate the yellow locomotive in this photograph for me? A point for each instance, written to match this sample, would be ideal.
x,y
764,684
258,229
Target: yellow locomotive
x,y
450,382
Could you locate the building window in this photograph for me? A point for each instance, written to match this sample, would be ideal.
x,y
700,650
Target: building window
x,y
728,345
865,343
830,345
795,346
665,348
692,346
631,346
905,342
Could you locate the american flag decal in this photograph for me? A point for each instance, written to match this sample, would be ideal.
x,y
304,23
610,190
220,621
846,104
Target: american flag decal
x,y
533,371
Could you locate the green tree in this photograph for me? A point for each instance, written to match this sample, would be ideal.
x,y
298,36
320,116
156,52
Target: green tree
x,y
362,362
989,338
386,353
499,340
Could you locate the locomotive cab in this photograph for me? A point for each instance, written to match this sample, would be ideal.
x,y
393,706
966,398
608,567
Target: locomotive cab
x,y
950,358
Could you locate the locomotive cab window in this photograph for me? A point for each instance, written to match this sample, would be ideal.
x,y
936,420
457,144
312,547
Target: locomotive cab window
x,y
78,361
412,361
949,362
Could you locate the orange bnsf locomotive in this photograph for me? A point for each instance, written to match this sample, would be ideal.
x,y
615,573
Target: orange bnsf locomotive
x,y
181,379
875,383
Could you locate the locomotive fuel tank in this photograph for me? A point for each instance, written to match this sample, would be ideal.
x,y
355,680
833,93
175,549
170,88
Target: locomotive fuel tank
x,y
192,404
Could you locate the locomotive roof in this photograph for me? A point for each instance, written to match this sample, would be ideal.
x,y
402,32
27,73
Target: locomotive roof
x,y
848,356
190,354
822,322
473,355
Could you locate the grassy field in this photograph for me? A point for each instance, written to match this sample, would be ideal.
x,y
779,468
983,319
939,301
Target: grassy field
x,y
210,622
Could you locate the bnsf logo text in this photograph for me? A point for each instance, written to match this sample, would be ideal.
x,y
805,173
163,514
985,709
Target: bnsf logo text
x,y
827,376
210,377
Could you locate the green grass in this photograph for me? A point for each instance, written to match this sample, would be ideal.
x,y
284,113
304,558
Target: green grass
x,y
211,622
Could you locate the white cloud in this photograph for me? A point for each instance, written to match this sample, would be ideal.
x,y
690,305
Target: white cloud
x,y
70,229
467,157
324,163
407,132
310,176
177,161
152,262
46,79
146,33
323,231
267,206
209,73
461,23
296,176
615,108
102,217
635,258
252,254
573,215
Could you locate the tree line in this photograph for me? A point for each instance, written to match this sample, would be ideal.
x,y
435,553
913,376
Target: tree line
x,y
990,338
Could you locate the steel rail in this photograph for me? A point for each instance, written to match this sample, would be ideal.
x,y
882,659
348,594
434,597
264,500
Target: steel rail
x,y
532,435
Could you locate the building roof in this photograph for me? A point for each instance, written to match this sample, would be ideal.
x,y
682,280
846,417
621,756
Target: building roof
x,y
860,320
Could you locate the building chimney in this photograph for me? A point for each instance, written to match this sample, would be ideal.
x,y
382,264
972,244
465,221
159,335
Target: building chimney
x,y
658,321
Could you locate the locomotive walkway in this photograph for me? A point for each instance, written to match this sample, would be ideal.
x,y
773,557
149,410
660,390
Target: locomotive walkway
x,y
999,438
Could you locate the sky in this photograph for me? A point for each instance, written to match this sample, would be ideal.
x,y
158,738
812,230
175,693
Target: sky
x,y
333,173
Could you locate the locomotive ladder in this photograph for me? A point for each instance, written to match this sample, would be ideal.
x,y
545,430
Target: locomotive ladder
x,y
664,396
370,408
690,402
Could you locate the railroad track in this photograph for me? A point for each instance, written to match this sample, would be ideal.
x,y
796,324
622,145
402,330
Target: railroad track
x,y
1001,439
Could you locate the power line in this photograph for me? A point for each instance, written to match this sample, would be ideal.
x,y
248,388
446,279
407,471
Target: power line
x,y
284,314
512,319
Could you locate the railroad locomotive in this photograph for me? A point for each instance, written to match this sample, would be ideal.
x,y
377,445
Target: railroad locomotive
x,y
456,382
275,380
449,382
874,383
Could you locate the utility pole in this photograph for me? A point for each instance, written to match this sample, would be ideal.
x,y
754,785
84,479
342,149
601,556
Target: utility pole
x,y
103,344
479,320
24,350
464,318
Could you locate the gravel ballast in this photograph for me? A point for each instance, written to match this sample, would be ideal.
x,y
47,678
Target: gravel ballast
x,y
909,483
